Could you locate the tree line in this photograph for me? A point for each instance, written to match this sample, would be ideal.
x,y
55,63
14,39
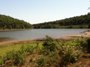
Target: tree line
x,y
82,21
7,22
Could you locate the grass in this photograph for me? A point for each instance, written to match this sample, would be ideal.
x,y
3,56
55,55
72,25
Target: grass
x,y
44,53
16,52
4,50
16,47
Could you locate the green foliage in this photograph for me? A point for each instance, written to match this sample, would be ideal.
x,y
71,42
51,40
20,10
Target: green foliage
x,y
83,44
15,56
82,21
86,45
18,58
49,45
1,61
29,49
70,54
9,56
7,22
70,51
22,50
40,62
49,53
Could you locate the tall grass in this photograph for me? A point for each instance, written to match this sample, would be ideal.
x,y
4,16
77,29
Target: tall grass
x,y
49,53
17,56
67,52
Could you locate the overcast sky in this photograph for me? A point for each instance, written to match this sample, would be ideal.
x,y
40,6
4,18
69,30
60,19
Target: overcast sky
x,y
37,11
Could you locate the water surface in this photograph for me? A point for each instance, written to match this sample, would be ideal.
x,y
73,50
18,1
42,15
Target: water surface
x,y
39,33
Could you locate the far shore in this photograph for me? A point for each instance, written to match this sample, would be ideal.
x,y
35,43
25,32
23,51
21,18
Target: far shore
x,y
6,30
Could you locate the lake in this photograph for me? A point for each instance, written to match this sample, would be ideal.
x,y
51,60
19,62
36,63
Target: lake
x,y
39,33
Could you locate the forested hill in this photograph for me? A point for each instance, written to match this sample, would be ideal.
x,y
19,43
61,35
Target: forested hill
x,y
82,21
7,22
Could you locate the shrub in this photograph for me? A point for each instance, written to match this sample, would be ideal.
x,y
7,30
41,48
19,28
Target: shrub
x,y
40,62
9,56
88,45
69,54
49,45
85,44
15,56
18,58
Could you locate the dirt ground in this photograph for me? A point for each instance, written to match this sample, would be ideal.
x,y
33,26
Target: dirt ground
x,y
84,61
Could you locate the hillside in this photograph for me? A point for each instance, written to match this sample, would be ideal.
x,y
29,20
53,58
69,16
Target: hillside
x,y
7,22
82,21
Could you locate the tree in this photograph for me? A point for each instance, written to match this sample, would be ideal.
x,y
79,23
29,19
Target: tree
x,y
7,22
73,22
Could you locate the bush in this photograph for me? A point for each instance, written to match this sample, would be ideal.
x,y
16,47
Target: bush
x,y
15,56
85,44
49,45
69,51
9,56
40,62
18,58
69,54
88,45
53,52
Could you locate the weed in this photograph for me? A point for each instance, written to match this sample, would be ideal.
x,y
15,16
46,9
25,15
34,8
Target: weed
x,y
29,49
40,62
1,61
49,45
70,54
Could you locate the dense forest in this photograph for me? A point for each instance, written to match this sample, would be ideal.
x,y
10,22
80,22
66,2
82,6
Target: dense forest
x,y
82,21
7,22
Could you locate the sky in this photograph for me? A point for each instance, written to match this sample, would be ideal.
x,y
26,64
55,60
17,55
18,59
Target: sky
x,y
38,11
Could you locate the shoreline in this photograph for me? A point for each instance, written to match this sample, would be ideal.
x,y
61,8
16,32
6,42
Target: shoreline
x,y
7,30
85,34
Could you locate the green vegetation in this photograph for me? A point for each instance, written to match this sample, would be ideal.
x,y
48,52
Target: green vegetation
x,y
7,22
47,53
15,53
82,21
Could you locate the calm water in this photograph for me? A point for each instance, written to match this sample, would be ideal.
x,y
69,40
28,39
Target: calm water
x,y
39,33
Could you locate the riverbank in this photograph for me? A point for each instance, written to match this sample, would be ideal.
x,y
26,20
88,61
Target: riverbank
x,y
85,34
33,53
42,51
